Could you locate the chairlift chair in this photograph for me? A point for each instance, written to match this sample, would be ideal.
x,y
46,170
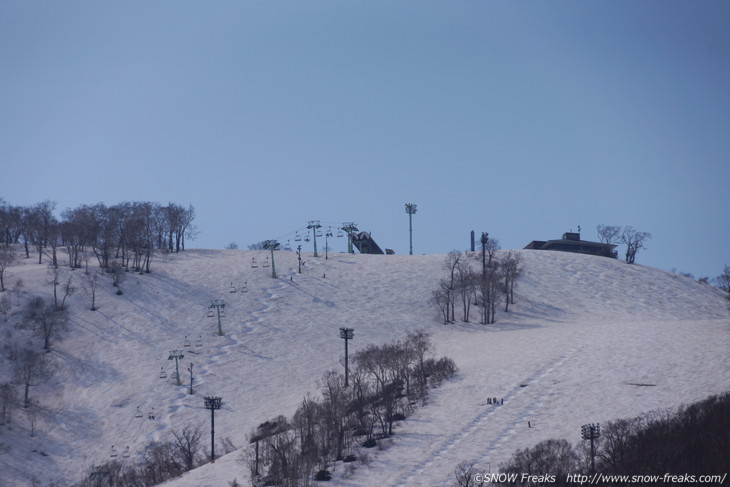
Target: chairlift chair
x,y
340,233
254,265
113,453
125,453
307,239
223,313
163,374
211,313
297,237
244,289
199,341
138,413
266,262
186,342
232,289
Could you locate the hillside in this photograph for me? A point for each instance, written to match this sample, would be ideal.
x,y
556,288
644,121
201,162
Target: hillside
x,y
589,339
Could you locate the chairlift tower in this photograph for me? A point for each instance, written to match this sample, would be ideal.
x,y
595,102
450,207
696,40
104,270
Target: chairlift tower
x,y
591,432
411,210
272,244
212,403
218,304
350,228
314,226
346,334
177,355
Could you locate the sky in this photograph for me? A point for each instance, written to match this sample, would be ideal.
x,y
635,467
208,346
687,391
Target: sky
x,y
522,119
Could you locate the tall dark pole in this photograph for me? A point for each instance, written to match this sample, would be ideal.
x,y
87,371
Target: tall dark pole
x,y
411,210
299,256
591,432
212,403
347,334
485,239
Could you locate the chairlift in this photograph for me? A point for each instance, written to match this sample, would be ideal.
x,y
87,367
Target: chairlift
x,y
340,233
297,237
113,453
151,416
232,289
199,341
125,453
287,246
319,233
211,313
222,313
138,413
186,342
254,265
266,262
244,288
307,239
163,374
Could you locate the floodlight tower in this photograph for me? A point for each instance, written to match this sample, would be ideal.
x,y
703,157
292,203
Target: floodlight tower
x,y
346,334
327,234
218,304
411,210
591,432
177,355
212,403
314,226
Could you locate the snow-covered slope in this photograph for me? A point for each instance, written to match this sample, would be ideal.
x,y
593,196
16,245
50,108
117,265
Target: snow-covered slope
x,y
589,339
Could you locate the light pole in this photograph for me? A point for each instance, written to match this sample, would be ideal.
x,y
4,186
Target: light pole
x,y
190,369
314,226
411,210
346,334
218,304
591,432
299,257
326,245
485,239
212,403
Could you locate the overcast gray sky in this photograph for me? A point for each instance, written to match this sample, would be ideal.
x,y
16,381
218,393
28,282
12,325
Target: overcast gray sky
x,y
523,119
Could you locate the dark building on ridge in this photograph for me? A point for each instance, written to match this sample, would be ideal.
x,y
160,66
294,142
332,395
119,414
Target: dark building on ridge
x,y
571,242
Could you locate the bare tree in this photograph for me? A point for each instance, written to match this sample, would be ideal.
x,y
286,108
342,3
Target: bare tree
x,y
7,259
451,264
723,280
634,241
92,281
466,282
187,444
33,411
609,234
48,320
490,288
31,368
491,249
118,275
58,280
5,306
466,475
7,399
511,266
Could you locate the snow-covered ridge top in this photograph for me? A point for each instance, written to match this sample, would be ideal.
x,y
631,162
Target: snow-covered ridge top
x,y
282,334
